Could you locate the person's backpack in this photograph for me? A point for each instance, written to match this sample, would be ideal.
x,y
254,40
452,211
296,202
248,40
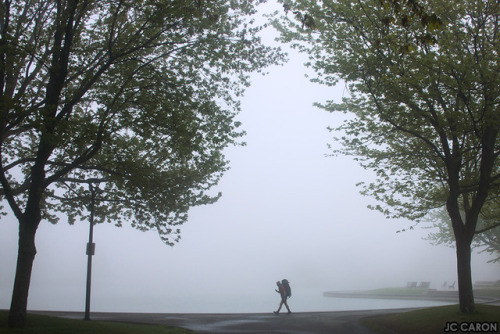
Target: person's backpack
x,y
288,290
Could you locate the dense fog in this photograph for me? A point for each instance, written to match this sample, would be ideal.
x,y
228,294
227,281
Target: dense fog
x,y
287,211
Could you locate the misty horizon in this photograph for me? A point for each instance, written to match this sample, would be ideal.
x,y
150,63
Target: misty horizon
x,y
286,211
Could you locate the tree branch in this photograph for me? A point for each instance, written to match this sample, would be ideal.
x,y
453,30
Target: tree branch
x,y
487,228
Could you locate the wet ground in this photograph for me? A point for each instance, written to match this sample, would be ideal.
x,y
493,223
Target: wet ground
x,y
296,323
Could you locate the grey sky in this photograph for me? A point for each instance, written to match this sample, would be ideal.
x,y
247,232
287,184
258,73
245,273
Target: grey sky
x,y
286,211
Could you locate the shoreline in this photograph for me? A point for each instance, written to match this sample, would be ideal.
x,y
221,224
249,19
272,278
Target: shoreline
x,y
430,295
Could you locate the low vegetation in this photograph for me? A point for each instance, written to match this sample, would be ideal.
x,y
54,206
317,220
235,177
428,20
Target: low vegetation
x,y
398,291
402,291
490,292
41,324
430,320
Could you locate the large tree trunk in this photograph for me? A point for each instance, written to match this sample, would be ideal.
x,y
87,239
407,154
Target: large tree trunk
x,y
464,233
465,291
25,256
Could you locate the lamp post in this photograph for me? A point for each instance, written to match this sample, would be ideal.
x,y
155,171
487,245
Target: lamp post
x,y
90,252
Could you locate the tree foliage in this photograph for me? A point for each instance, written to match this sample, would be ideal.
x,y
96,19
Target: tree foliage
x,y
487,235
425,101
137,98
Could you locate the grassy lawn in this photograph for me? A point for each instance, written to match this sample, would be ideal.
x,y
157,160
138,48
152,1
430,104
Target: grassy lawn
x,y
398,291
492,292
40,324
430,320
402,291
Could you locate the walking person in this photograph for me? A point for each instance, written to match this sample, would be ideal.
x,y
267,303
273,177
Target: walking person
x,y
285,292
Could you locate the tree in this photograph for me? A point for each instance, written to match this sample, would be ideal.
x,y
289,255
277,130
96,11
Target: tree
x,y
424,100
487,234
136,97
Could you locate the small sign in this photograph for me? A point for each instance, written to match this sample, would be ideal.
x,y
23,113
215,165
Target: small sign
x,y
90,248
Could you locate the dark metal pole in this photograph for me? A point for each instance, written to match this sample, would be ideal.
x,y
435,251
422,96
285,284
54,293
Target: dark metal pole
x,y
90,252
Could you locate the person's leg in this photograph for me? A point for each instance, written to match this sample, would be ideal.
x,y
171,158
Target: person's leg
x,y
279,308
286,304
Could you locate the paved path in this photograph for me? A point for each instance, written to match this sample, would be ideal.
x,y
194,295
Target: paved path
x,y
343,322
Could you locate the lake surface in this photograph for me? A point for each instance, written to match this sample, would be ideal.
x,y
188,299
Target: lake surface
x,y
260,304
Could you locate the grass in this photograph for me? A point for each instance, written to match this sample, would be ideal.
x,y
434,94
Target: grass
x,y
41,324
429,320
491,292
398,291
402,291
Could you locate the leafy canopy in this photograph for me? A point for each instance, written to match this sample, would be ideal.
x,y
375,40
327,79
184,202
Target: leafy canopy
x,y
487,234
137,98
424,96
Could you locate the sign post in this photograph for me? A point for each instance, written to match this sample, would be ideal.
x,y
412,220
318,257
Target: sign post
x,y
90,252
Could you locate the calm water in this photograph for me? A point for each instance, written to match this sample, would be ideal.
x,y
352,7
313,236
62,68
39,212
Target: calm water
x,y
259,304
